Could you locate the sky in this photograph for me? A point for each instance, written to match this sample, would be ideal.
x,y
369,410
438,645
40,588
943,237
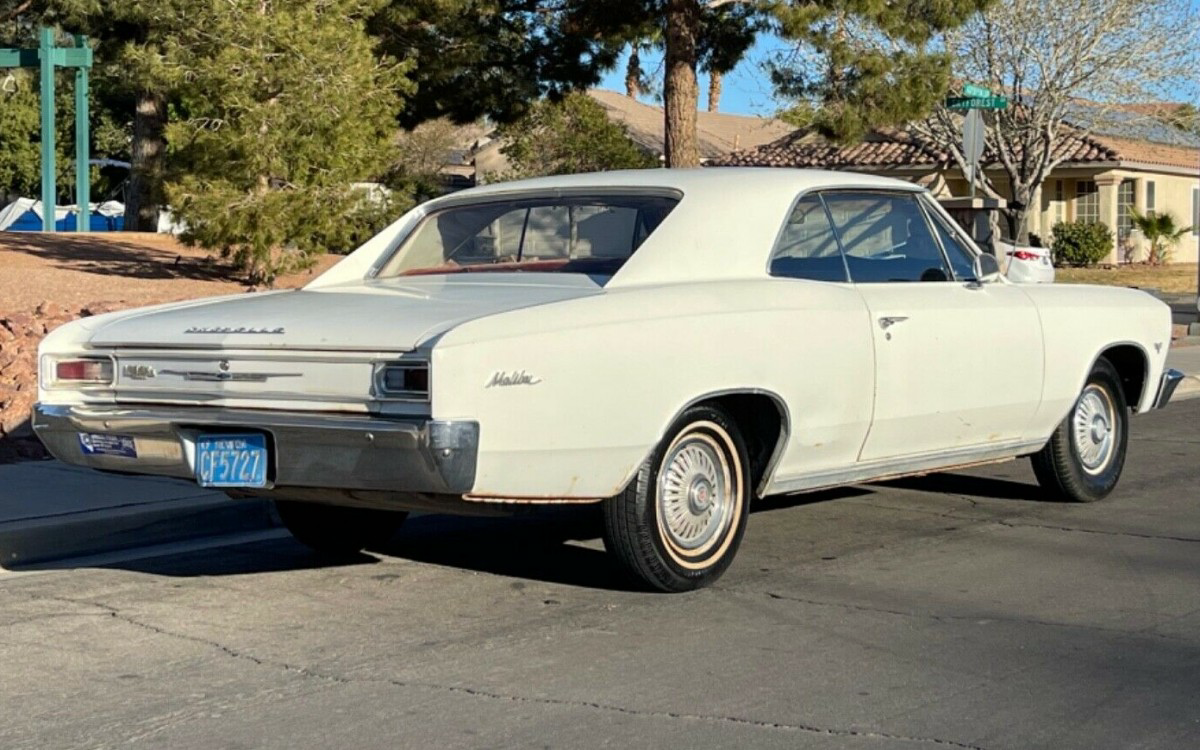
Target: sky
x,y
745,91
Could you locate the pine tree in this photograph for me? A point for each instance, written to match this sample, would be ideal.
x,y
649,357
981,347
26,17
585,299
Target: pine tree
x,y
283,106
495,58
862,64
573,135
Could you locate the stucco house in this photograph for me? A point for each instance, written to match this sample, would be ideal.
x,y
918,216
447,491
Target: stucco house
x,y
1142,165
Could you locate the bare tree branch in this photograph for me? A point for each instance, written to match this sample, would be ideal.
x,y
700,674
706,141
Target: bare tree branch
x,y
1069,70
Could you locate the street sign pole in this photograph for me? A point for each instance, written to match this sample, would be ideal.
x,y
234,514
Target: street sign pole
x,y
972,139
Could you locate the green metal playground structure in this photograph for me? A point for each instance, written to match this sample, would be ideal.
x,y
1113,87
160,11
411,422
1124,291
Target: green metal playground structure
x,y
47,57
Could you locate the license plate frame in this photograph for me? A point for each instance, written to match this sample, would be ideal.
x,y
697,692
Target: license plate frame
x,y
232,459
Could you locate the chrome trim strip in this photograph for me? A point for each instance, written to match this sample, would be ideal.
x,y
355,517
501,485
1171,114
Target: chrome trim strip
x,y
309,449
875,471
1171,378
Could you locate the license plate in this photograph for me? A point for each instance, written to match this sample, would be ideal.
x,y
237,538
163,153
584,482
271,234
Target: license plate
x,y
231,460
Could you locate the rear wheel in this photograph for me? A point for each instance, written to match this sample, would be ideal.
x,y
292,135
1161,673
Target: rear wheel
x,y
338,530
1085,456
680,522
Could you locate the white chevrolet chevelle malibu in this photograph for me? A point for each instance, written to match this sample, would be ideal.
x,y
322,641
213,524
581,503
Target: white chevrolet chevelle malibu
x,y
672,344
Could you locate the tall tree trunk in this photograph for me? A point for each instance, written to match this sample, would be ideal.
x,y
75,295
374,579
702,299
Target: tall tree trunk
x,y
146,176
633,73
714,90
679,88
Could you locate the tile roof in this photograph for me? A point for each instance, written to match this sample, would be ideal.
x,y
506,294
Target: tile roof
x,y
898,148
717,133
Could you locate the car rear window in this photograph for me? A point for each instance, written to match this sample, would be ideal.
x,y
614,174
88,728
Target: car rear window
x,y
553,234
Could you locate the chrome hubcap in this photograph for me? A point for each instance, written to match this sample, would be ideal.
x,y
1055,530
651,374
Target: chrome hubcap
x,y
693,494
1094,428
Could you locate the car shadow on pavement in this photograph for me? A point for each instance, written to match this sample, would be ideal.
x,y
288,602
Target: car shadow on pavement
x,y
973,486
553,544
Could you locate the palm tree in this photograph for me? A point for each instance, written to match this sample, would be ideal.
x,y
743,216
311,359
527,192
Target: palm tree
x,y
715,79
1162,231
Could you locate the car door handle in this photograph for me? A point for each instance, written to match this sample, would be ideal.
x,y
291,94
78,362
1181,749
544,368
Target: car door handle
x,y
888,322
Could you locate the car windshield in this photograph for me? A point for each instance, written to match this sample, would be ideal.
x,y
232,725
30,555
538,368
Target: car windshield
x,y
556,234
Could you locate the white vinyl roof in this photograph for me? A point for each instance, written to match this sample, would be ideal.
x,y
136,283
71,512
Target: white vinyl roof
x,y
684,180
723,228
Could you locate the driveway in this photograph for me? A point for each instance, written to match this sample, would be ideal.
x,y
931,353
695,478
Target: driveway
x,y
953,611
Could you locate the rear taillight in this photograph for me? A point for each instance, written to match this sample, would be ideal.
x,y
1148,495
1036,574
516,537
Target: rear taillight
x,y
1025,255
82,371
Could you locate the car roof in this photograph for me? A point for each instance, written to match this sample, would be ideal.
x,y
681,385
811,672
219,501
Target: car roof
x,y
685,180
723,228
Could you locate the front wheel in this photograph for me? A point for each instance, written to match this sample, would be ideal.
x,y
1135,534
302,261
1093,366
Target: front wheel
x,y
679,523
1085,456
336,529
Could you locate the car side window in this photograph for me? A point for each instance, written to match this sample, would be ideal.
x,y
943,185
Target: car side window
x,y
961,259
807,247
885,237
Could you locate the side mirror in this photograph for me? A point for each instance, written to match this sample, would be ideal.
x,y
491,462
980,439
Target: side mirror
x,y
987,268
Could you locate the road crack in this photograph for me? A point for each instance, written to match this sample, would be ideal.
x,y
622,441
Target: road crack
x,y
979,521
981,618
1132,534
484,694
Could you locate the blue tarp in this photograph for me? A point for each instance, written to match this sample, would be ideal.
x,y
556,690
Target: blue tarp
x,y
24,215
31,222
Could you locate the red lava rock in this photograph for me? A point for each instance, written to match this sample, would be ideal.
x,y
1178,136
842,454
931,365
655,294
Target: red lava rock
x,y
18,322
20,334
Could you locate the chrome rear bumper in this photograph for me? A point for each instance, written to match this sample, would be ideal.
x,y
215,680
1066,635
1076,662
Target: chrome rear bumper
x,y
1166,387
341,451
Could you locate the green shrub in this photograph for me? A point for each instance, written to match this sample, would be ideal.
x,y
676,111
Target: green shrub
x,y
1080,243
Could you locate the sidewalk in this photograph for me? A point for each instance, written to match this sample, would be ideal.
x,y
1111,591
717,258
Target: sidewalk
x,y
1186,359
49,510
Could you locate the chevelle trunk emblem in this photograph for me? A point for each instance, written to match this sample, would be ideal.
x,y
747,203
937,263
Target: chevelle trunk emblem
x,y
239,329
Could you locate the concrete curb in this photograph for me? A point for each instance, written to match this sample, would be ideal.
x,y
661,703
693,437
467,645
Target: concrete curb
x,y
1189,387
104,530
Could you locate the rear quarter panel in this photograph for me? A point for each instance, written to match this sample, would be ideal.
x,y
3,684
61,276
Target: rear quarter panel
x,y
610,373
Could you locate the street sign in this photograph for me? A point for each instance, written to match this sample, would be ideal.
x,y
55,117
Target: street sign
x,y
972,138
970,89
976,102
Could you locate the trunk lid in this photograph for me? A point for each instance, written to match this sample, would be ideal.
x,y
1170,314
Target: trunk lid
x,y
390,315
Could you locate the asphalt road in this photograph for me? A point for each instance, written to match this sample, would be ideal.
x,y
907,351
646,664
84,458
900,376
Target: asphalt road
x,y
954,611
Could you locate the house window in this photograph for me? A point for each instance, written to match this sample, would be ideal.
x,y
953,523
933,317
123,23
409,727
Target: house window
x,y
1087,202
1150,198
1124,208
1060,203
